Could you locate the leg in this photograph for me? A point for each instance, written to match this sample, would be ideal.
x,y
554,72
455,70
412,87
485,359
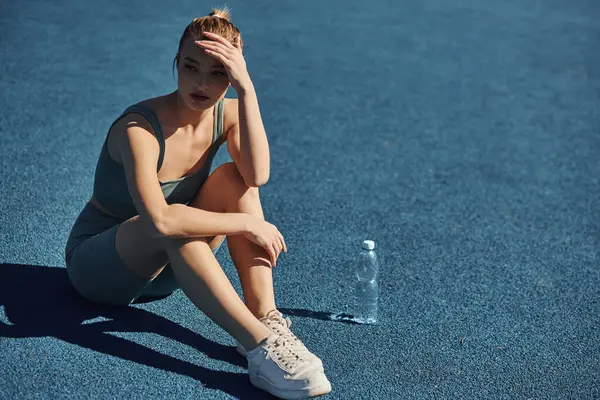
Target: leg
x,y
194,265
205,283
251,261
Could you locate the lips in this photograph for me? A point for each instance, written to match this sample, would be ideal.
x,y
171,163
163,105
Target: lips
x,y
199,96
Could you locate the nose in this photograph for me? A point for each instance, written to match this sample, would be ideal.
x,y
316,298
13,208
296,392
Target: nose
x,y
201,82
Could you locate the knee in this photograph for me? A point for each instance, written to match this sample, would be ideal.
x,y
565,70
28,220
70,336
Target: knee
x,y
225,191
231,175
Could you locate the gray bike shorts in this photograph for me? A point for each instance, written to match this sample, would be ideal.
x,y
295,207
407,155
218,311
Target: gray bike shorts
x,y
96,270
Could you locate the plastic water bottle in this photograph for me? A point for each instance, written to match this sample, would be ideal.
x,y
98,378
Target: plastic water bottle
x,y
367,285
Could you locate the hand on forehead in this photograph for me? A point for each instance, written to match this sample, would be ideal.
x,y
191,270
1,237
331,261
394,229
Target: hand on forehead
x,y
193,51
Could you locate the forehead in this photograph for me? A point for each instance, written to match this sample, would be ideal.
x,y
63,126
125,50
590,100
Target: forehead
x,y
192,50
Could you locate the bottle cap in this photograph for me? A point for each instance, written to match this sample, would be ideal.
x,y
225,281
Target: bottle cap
x,y
368,244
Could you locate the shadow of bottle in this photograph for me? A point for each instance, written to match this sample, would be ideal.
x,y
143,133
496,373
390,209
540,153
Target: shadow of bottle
x,y
323,315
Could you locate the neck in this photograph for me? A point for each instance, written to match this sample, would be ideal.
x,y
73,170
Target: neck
x,y
187,117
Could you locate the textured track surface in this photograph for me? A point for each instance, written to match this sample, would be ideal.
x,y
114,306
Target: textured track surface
x,y
461,136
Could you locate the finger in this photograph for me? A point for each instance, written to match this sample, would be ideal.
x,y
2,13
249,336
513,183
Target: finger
x,y
238,42
279,242
218,38
277,246
228,54
272,254
207,44
224,60
283,243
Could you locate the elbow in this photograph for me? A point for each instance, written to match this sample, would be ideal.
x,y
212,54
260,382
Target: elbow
x,y
254,177
162,223
257,180
160,228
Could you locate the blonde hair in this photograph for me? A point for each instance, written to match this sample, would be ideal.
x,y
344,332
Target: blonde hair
x,y
217,22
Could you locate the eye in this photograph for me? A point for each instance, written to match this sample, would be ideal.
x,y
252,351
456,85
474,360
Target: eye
x,y
219,73
190,68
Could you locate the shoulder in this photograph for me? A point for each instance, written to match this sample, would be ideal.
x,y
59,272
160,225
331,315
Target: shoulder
x,y
127,123
161,108
230,114
131,119
159,105
155,104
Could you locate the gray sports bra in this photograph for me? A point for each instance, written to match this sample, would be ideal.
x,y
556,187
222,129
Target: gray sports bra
x,y
110,185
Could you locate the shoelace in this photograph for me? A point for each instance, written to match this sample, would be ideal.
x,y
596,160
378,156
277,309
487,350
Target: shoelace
x,y
281,326
284,351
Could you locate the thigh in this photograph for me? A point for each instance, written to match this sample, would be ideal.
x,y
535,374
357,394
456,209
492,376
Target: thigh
x,y
145,255
222,190
166,283
98,273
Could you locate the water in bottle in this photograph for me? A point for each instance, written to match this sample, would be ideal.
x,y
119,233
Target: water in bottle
x,y
367,285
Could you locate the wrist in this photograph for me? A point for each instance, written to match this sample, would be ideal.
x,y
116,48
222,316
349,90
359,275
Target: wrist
x,y
245,88
246,220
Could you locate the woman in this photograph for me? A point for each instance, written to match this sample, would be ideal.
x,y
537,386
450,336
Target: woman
x,y
156,218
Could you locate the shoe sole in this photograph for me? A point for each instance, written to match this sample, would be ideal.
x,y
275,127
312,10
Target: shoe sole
x,y
242,352
263,384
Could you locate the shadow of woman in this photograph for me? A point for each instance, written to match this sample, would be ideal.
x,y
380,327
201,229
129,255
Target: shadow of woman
x,y
41,302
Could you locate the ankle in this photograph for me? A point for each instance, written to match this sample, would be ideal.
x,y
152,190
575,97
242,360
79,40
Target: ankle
x,y
256,338
255,346
261,312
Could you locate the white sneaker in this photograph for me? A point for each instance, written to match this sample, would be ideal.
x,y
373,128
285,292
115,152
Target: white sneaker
x,y
277,368
281,326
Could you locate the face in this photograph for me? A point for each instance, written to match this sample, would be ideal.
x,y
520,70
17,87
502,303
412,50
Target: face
x,y
200,74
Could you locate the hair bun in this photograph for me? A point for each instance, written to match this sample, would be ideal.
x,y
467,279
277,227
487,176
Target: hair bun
x,y
220,13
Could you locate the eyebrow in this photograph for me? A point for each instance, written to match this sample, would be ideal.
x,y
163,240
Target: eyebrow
x,y
196,62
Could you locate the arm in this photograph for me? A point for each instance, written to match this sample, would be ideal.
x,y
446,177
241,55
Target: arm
x,y
139,152
183,221
251,138
247,138
247,141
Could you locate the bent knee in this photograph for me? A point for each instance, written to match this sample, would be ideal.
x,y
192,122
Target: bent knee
x,y
222,189
234,179
230,173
